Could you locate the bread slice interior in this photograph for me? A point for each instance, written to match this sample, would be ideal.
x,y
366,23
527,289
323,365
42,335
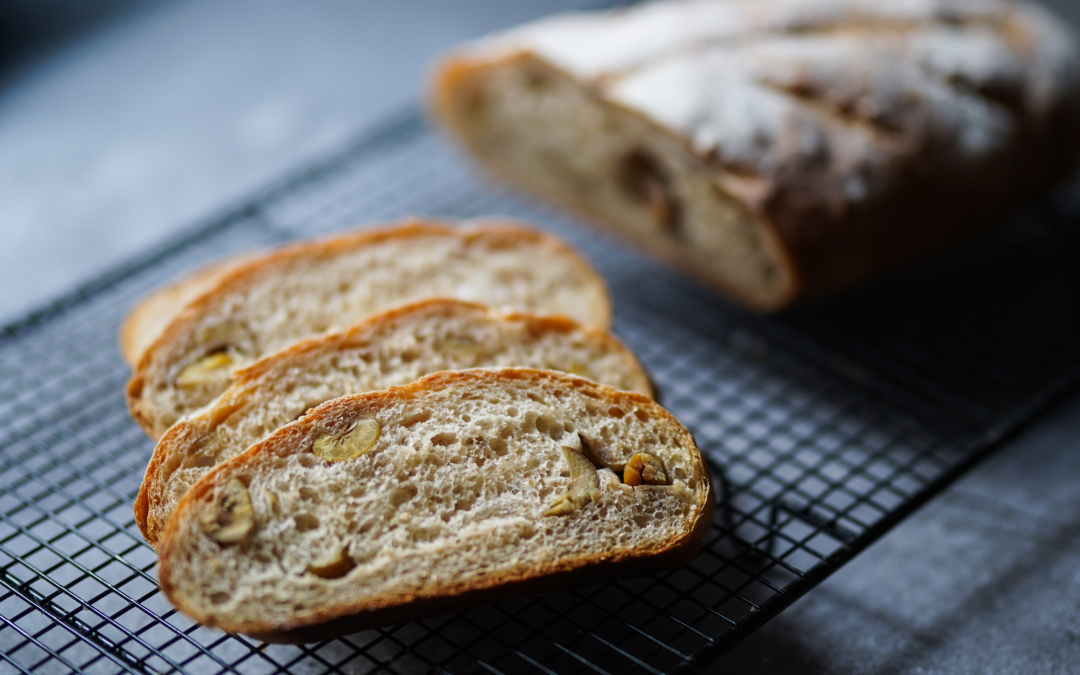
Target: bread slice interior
x,y
457,489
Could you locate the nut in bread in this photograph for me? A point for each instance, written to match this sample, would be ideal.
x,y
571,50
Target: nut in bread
x,y
230,518
358,439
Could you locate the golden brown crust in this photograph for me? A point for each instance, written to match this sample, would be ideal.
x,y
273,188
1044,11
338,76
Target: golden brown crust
x,y
492,230
190,431
537,323
327,622
155,311
179,434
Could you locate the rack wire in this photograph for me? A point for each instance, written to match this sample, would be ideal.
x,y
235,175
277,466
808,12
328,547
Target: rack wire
x,y
826,426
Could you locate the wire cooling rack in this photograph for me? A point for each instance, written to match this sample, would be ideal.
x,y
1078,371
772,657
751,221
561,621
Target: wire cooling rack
x,y
826,426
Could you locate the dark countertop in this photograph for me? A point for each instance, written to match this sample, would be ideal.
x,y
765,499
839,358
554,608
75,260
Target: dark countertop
x,y
143,122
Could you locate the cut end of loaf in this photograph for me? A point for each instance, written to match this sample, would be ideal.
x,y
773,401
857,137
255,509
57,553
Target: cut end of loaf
x,y
443,509
535,126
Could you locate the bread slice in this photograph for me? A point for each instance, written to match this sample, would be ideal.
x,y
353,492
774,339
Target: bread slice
x,y
149,318
462,488
393,348
269,302
776,148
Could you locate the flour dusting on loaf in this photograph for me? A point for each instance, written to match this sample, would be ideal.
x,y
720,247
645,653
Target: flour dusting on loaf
x,y
777,148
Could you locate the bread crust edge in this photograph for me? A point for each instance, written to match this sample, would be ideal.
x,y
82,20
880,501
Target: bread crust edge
x,y
170,298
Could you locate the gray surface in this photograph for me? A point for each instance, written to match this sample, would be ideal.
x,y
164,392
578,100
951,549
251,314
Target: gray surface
x,y
985,579
174,109
177,108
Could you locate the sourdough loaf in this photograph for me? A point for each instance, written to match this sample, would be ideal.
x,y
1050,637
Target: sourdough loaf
x,y
458,489
392,348
777,148
268,302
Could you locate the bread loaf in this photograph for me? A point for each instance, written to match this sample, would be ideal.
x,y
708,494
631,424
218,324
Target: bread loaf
x,y
268,302
777,148
461,488
392,348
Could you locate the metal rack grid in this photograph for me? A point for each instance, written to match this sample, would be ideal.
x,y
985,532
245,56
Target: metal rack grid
x,y
826,426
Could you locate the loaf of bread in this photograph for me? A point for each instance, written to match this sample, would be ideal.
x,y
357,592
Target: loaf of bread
x,y
777,148
459,489
392,348
269,302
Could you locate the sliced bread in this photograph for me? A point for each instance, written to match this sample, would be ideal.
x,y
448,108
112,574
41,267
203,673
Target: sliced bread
x,y
149,318
458,489
271,301
392,348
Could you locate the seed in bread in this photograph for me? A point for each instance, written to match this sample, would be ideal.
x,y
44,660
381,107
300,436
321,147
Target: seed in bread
x,y
449,508
268,302
777,148
392,348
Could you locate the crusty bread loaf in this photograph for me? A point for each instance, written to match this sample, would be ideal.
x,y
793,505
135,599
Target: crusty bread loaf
x,y
392,348
271,301
149,318
777,148
458,489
